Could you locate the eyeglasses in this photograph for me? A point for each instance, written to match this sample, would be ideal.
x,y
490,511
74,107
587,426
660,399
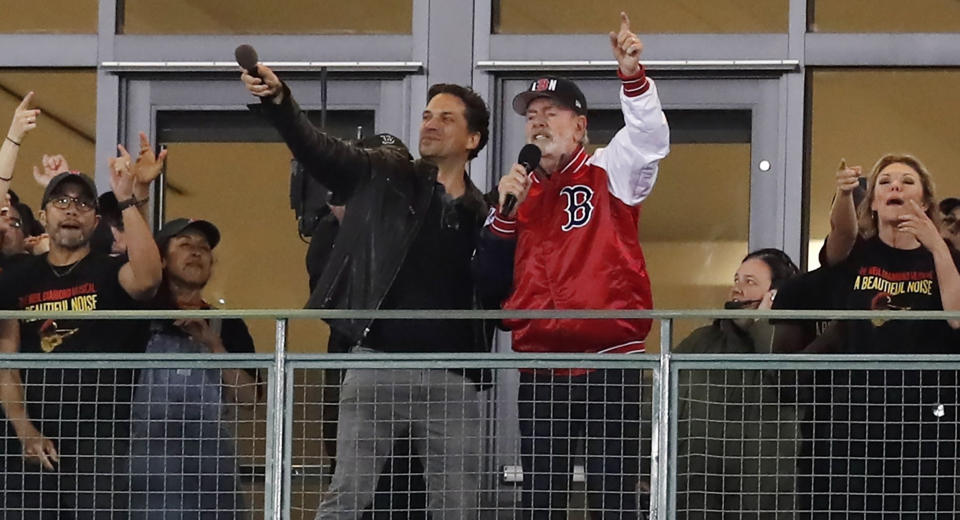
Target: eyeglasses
x,y
64,202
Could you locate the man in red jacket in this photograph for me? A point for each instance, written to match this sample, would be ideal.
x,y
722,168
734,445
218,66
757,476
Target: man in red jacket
x,y
572,244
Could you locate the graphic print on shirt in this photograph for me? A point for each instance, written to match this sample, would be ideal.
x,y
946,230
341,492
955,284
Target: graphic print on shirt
x,y
579,208
893,290
82,297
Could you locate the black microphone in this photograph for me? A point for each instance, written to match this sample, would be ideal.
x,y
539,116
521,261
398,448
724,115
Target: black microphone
x,y
529,158
247,58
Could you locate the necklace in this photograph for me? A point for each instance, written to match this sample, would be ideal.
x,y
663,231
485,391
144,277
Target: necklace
x,y
59,272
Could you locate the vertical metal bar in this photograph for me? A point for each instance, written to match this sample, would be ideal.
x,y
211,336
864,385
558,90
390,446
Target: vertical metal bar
x,y
660,446
273,482
288,442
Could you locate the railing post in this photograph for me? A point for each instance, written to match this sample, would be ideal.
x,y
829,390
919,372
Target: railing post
x,y
660,448
276,433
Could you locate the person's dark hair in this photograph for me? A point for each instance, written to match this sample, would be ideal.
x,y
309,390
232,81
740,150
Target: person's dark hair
x,y
476,112
29,224
781,267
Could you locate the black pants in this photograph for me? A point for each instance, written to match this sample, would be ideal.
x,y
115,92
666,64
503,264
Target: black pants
x,y
88,484
603,407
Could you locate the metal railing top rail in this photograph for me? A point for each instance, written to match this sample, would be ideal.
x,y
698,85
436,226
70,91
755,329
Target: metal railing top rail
x,y
447,314
492,360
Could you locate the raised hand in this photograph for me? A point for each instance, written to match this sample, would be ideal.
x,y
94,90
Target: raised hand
x,y
148,165
24,119
268,85
52,165
122,179
848,178
626,47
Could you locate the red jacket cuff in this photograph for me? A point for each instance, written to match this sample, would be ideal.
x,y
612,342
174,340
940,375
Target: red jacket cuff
x,y
635,84
503,227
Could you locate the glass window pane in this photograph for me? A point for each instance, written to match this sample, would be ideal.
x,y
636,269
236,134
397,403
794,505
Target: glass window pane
x,y
860,115
49,16
691,257
288,17
67,125
646,16
884,16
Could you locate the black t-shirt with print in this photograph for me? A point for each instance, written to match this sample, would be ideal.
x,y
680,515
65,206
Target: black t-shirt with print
x,y
876,276
57,397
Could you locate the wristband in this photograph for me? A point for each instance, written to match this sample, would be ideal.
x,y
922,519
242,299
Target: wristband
x,y
12,141
130,203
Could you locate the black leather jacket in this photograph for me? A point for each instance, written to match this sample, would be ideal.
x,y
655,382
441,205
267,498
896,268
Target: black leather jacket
x,y
387,197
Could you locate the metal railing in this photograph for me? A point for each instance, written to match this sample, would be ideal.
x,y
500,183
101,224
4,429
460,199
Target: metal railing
x,y
666,368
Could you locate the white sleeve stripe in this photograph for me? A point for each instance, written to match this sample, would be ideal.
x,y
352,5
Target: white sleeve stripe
x,y
504,221
639,88
502,230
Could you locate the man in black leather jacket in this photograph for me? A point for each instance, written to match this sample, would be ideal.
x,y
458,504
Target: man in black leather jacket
x,y
405,242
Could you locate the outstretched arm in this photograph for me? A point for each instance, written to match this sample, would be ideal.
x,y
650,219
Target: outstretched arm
x,y
337,165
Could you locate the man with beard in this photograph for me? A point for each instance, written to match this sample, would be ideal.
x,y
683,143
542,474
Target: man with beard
x,y
571,243
405,242
74,423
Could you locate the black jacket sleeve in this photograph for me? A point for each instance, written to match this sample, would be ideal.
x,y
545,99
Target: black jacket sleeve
x,y
493,268
335,163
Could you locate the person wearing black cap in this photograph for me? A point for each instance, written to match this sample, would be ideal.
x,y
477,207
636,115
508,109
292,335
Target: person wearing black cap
x,y
182,455
405,242
74,422
571,242
950,221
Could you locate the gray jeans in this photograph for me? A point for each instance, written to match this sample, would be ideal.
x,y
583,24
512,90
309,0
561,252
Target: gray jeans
x,y
441,411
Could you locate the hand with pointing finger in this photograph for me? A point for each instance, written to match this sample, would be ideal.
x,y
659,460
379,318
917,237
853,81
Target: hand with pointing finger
x,y
626,47
848,178
24,119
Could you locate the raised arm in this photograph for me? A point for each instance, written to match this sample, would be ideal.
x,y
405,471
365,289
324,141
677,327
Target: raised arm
x,y
24,120
843,216
36,447
336,164
141,275
633,156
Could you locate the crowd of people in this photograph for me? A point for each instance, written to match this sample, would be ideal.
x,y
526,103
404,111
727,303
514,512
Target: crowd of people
x,y
405,233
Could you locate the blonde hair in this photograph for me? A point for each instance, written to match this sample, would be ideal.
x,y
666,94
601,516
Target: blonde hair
x,y
867,218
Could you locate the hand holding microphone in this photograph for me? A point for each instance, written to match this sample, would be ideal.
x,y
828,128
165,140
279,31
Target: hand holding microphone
x,y
257,77
514,185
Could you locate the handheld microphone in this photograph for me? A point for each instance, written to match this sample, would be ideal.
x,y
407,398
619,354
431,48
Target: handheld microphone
x,y
247,58
529,158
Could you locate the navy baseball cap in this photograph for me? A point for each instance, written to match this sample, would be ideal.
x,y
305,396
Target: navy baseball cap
x,y
564,91
179,225
81,178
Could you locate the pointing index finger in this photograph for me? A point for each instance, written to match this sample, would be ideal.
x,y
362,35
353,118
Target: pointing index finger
x,y
25,103
624,22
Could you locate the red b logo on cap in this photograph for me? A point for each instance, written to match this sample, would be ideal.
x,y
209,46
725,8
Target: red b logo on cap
x,y
542,84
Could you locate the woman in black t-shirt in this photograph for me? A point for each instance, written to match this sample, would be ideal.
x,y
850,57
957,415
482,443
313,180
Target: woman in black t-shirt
x,y
894,432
